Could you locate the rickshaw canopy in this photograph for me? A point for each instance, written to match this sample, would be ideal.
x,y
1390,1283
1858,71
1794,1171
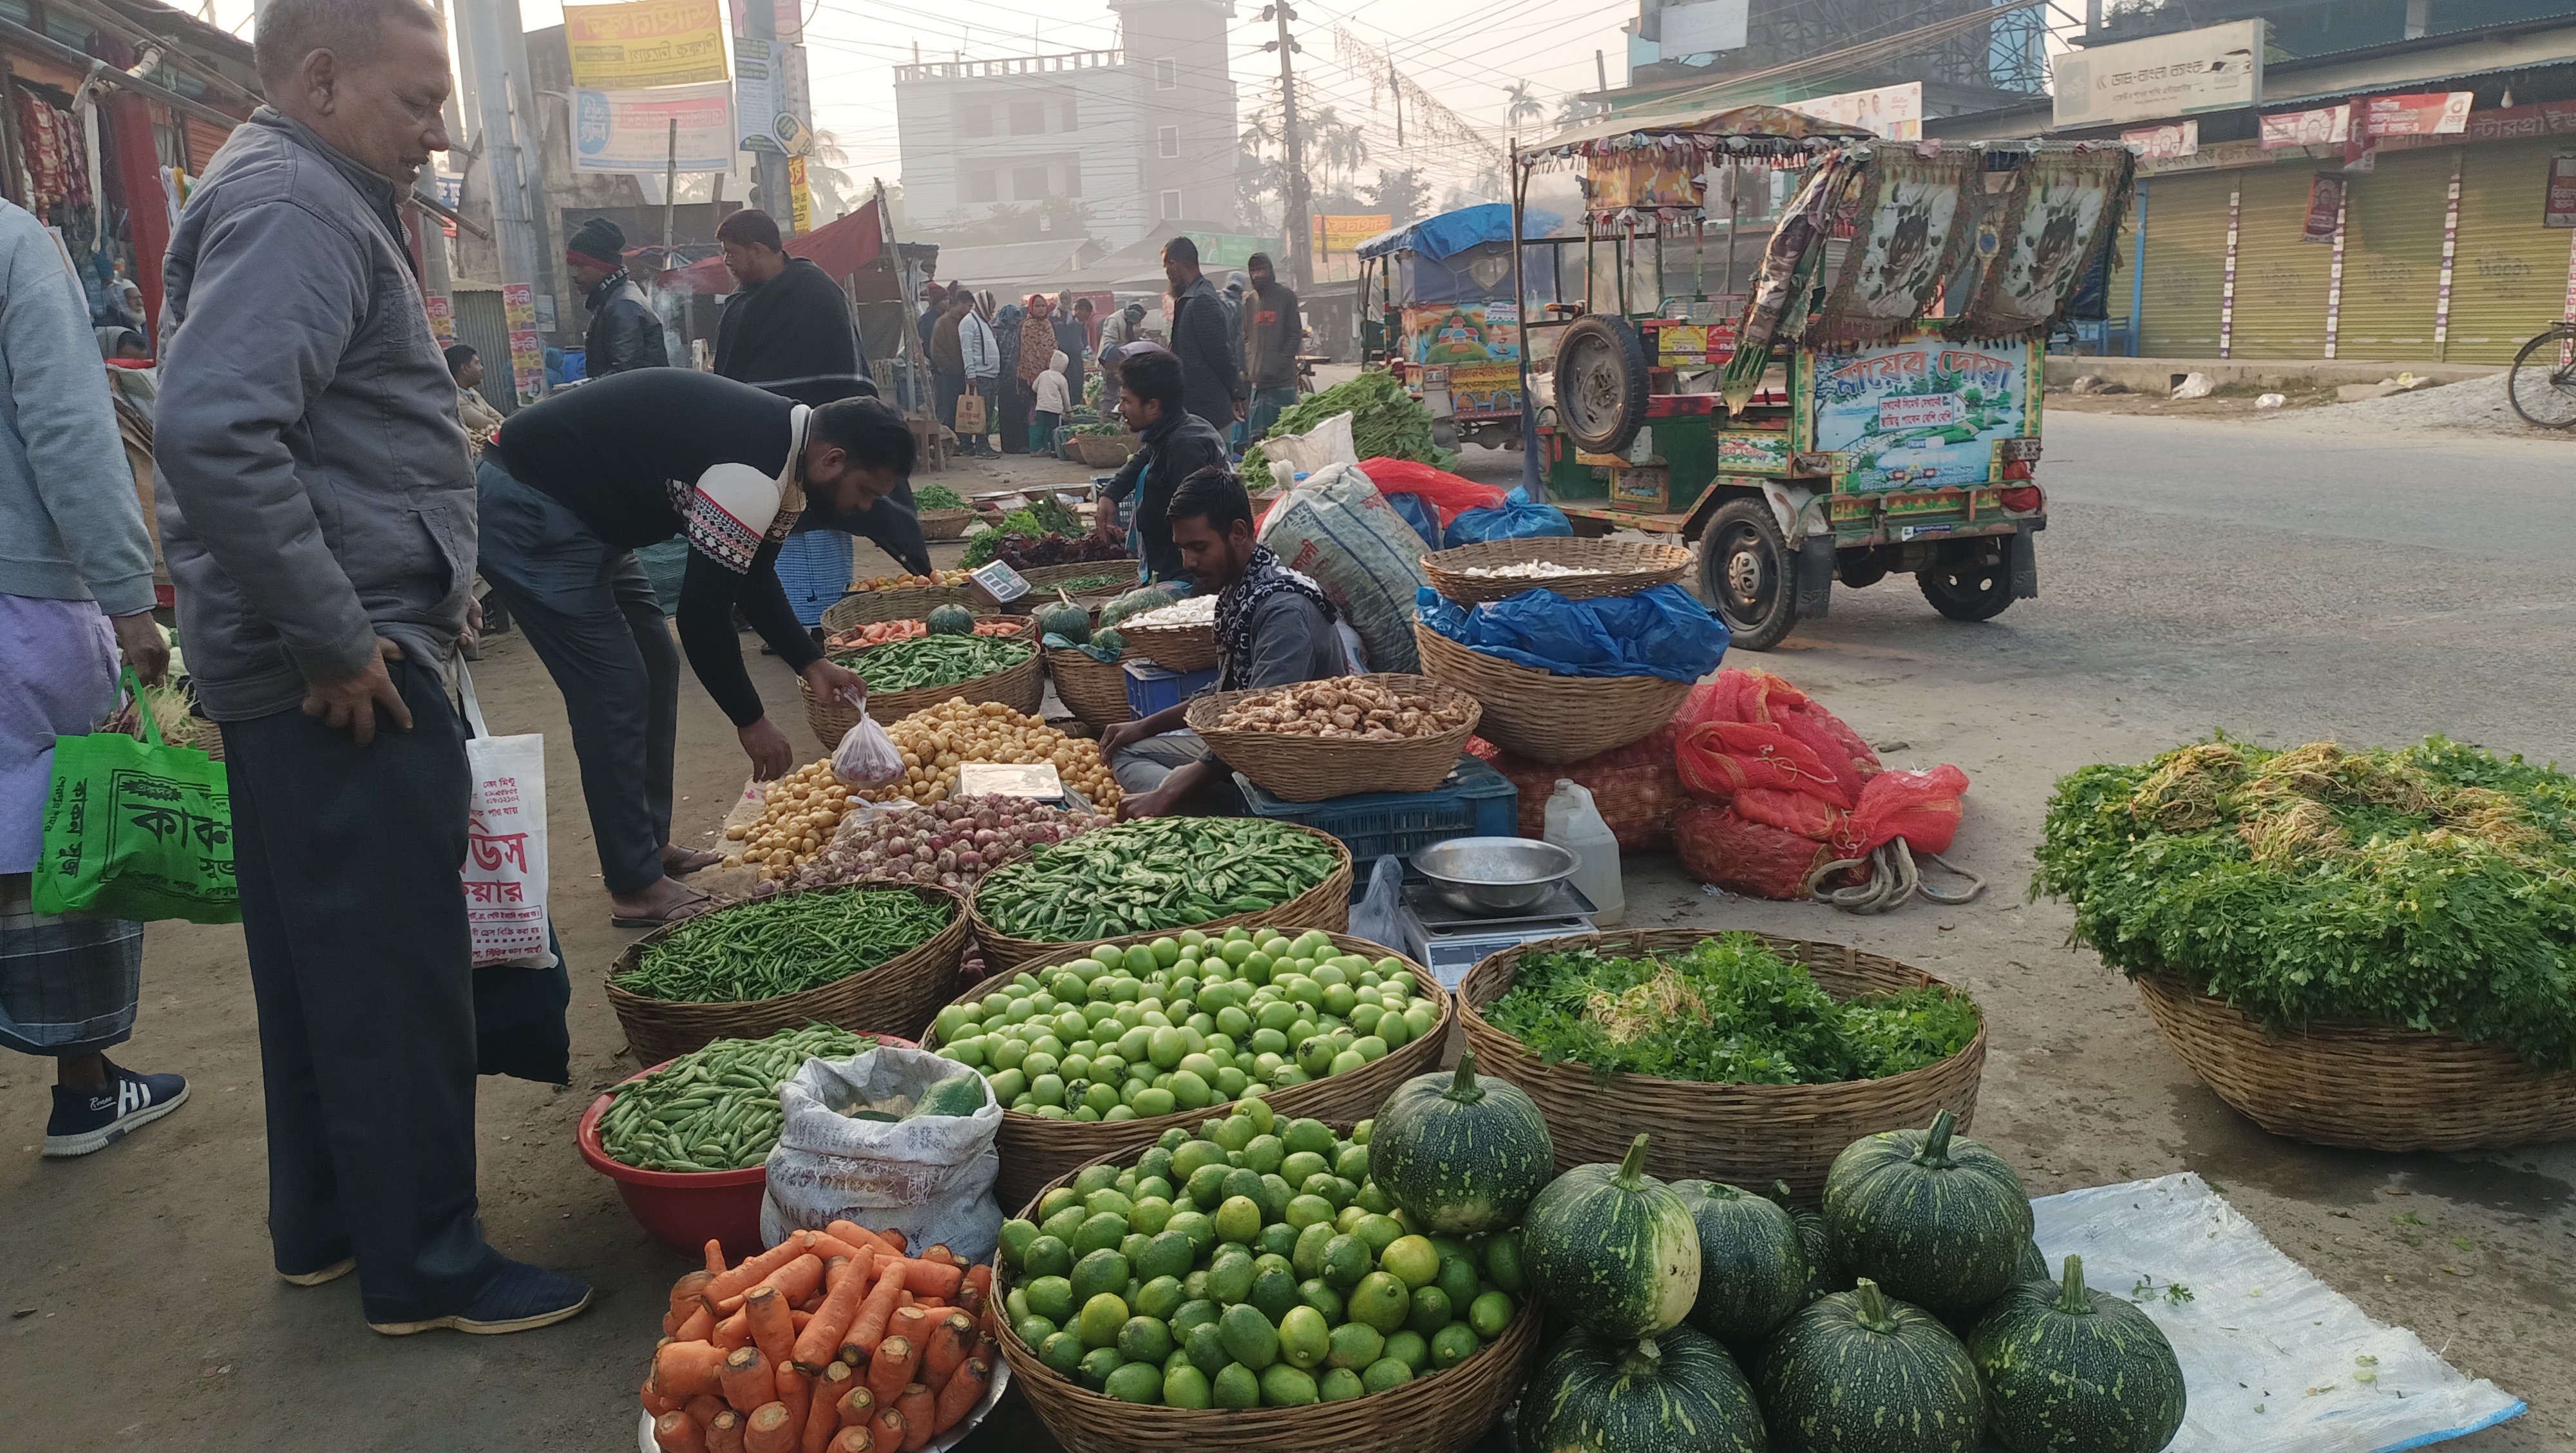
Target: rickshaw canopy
x,y
1752,130
1452,233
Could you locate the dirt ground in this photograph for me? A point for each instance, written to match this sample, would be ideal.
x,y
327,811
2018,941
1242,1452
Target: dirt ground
x,y
2162,619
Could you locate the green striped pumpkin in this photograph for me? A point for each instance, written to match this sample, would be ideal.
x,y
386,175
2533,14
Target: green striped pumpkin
x,y
1825,1275
1935,1219
1461,1154
1613,1248
1677,1393
1856,1372
2070,1370
1752,1269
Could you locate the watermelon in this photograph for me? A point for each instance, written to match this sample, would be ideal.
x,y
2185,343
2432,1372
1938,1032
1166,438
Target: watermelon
x,y
950,620
1856,1372
1460,1154
1752,1269
1676,1393
2067,1369
1935,1219
1062,617
1612,1248
1825,1275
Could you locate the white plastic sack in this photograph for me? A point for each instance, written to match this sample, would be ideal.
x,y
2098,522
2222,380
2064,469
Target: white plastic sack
x,y
2272,1358
867,757
1327,443
2194,386
505,843
930,1178
1337,529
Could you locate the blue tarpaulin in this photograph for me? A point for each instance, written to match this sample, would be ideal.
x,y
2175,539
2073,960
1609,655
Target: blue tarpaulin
x,y
1657,632
1451,233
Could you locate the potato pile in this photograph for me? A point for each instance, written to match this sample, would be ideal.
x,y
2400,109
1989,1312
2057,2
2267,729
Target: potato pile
x,y
802,809
936,739
913,582
1344,708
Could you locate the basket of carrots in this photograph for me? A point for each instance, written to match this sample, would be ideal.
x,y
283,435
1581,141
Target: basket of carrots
x,y
834,1340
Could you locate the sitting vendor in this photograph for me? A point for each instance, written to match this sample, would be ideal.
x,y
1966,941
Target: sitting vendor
x,y
1174,445
1273,628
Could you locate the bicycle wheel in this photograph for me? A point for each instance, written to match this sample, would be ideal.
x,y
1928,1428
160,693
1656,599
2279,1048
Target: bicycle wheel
x,y
2541,388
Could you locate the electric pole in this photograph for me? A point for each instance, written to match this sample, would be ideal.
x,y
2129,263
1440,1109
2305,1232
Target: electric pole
x,y
1301,272
516,235
760,22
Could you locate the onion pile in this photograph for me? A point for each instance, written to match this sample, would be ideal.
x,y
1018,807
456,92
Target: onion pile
x,y
952,844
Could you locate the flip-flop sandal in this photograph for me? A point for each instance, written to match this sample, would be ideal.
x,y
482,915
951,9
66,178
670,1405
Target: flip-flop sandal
x,y
686,910
689,862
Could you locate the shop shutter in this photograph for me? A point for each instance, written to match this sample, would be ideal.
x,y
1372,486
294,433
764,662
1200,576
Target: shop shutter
x,y
2392,260
2186,258
2510,278
2280,280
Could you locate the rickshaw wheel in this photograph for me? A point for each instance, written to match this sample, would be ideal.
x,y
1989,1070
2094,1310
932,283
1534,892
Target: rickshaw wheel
x,y
1601,383
1744,570
1967,591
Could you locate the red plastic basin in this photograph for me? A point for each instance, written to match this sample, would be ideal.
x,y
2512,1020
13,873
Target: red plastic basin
x,y
685,1209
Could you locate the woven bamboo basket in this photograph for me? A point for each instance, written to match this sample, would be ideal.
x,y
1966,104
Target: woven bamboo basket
x,y
1095,691
1019,626
863,607
896,997
1327,906
1174,648
1047,577
1546,717
1102,451
1021,688
2365,1085
1311,769
1623,567
1745,1135
1035,1150
1441,1413
945,524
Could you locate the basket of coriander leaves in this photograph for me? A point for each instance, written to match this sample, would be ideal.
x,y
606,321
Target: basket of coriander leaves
x,y
943,511
875,956
1755,1058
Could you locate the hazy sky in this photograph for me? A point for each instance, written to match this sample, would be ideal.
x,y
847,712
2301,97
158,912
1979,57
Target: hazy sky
x,y
1464,52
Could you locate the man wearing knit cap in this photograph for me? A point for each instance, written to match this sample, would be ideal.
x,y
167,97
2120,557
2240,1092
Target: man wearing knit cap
x,y
624,333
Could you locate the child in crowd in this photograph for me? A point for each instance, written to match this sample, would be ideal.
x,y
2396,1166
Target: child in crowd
x,y
1055,400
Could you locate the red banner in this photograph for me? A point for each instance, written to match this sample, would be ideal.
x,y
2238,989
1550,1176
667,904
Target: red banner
x,y
2428,113
2325,204
2559,210
2329,126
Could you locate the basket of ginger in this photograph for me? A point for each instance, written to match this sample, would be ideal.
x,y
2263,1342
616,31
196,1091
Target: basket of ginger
x,y
832,1341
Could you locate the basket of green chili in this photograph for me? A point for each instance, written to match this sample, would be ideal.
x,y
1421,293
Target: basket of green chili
x,y
869,956
1161,875
906,676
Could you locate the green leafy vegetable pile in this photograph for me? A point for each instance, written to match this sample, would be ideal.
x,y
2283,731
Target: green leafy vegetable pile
x,y
1729,1011
2432,887
1386,423
1044,516
938,497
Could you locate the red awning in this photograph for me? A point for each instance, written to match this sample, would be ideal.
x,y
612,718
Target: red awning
x,y
839,248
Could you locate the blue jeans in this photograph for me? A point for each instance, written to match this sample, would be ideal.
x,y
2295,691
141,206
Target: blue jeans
x,y
1265,408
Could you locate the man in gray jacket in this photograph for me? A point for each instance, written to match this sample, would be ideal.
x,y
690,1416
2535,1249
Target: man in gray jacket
x,y
317,514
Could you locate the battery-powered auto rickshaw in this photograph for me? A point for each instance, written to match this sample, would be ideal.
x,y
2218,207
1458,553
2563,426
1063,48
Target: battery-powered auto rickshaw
x,y
1436,299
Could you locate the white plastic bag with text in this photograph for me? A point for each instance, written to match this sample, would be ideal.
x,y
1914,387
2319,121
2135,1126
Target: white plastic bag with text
x,y
505,843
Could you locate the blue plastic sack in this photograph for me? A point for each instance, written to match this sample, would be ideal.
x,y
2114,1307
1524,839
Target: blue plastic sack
x,y
1420,515
1658,632
1518,517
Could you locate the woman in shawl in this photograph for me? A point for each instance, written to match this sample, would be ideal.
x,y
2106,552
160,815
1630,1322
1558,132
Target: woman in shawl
x,y
1037,352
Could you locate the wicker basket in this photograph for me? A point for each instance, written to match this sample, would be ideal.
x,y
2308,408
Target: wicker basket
x,y
1744,1135
1102,451
1311,769
1327,906
2363,1085
1440,1414
1095,691
945,524
1019,626
1546,717
865,607
1035,1150
1625,567
1021,688
1174,648
1047,577
896,997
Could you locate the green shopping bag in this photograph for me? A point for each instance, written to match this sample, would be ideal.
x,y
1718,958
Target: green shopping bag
x,y
137,830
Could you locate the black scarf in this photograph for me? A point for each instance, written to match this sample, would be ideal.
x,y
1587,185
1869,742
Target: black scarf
x,y
1264,577
792,335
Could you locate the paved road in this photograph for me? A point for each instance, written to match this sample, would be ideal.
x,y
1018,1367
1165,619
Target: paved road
x,y
2281,579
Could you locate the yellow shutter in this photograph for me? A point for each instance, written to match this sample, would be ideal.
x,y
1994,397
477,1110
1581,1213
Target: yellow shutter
x,y
2186,221
2510,279
2392,264
2280,280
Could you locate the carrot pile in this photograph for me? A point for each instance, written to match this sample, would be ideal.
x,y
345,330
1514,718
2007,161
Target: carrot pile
x,y
832,1341
877,633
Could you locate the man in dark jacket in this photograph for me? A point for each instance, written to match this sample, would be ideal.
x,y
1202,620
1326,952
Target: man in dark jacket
x,y
318,515
1273,331
1176,444
624,333
1203,337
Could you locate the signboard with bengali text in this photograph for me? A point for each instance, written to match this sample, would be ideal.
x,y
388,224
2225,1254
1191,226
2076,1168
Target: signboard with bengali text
x,y
2215,68
1920,413
630,131
648,43
1345,233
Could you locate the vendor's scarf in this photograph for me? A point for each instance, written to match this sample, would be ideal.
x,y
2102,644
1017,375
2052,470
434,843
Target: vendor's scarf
x,y
1263,578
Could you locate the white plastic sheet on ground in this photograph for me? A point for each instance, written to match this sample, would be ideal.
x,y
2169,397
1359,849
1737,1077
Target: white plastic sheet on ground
x,y
2273,1358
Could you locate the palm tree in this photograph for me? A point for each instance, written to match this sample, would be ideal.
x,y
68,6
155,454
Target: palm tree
x,y
1523,104
1344,144
1572,109
824,177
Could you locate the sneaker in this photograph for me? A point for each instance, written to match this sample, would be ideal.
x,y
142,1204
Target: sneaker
x,y
331,1273
519,1297
83,1122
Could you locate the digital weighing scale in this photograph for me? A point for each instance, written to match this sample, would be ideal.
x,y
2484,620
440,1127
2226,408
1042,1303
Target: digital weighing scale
x,y
1449,942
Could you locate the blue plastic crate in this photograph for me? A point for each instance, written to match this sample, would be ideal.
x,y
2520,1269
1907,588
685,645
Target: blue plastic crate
x,y
1150,688
1474,800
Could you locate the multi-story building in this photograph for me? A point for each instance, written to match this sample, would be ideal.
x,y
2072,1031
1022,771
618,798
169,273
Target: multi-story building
x,y
1134,137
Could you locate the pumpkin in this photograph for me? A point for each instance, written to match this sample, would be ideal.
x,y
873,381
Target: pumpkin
x,y
1825,1275
2067,1368
1142,598
950,620
1460,1154
1612,1248
1061,617
1752,1269
2034,1263
1676,1393
1856,1372
1935,1219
